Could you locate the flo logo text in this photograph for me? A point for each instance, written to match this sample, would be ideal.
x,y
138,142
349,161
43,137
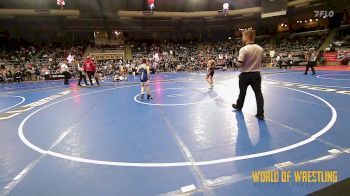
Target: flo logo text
x,y
324,13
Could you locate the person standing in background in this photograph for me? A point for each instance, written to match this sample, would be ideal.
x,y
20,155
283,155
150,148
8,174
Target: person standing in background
x,y
64,69
278,61
290,60
81,73
90,68
234,63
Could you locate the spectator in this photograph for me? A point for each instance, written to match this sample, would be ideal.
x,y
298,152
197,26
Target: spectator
x,y
90,69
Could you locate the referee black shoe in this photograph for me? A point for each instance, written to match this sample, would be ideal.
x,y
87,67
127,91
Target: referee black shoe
x,y
234,106
260,117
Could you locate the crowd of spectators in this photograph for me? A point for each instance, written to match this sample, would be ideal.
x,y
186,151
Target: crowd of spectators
x,y
52,56
14,55
189,55
32,62
165,54
300,43
342,34
108,48
17,54
342,38
292,49
172,56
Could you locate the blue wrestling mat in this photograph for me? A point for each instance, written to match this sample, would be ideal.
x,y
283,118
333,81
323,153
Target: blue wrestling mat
x,y
105,140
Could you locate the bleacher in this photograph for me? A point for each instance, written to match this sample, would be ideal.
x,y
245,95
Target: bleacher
x,y
300,42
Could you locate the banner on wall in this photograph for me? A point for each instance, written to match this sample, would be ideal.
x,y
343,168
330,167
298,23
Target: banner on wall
x,y
107,56
335,56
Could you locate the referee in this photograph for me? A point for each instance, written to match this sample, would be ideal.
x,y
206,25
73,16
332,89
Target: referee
x,y
249,60
311,61
64,69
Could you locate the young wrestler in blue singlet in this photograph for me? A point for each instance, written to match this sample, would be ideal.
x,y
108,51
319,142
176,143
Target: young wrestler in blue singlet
x,y
145,76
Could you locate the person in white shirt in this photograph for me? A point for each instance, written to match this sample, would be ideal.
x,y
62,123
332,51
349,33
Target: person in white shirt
x,y
290,60
311,61
234,63
250,60
279,61
64,69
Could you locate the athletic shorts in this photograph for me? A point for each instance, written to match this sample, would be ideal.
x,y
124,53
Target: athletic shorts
x,y
210,73
144,80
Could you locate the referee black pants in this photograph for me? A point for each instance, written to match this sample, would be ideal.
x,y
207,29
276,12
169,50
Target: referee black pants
x,y
66,77
311,64
254,80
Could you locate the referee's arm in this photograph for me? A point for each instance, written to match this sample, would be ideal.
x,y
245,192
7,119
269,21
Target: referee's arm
x,y
240,59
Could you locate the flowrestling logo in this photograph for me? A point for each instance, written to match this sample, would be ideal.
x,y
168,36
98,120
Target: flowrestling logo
x,y
324,13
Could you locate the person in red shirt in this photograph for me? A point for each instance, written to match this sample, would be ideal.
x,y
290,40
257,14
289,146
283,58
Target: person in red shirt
x,y
90,68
